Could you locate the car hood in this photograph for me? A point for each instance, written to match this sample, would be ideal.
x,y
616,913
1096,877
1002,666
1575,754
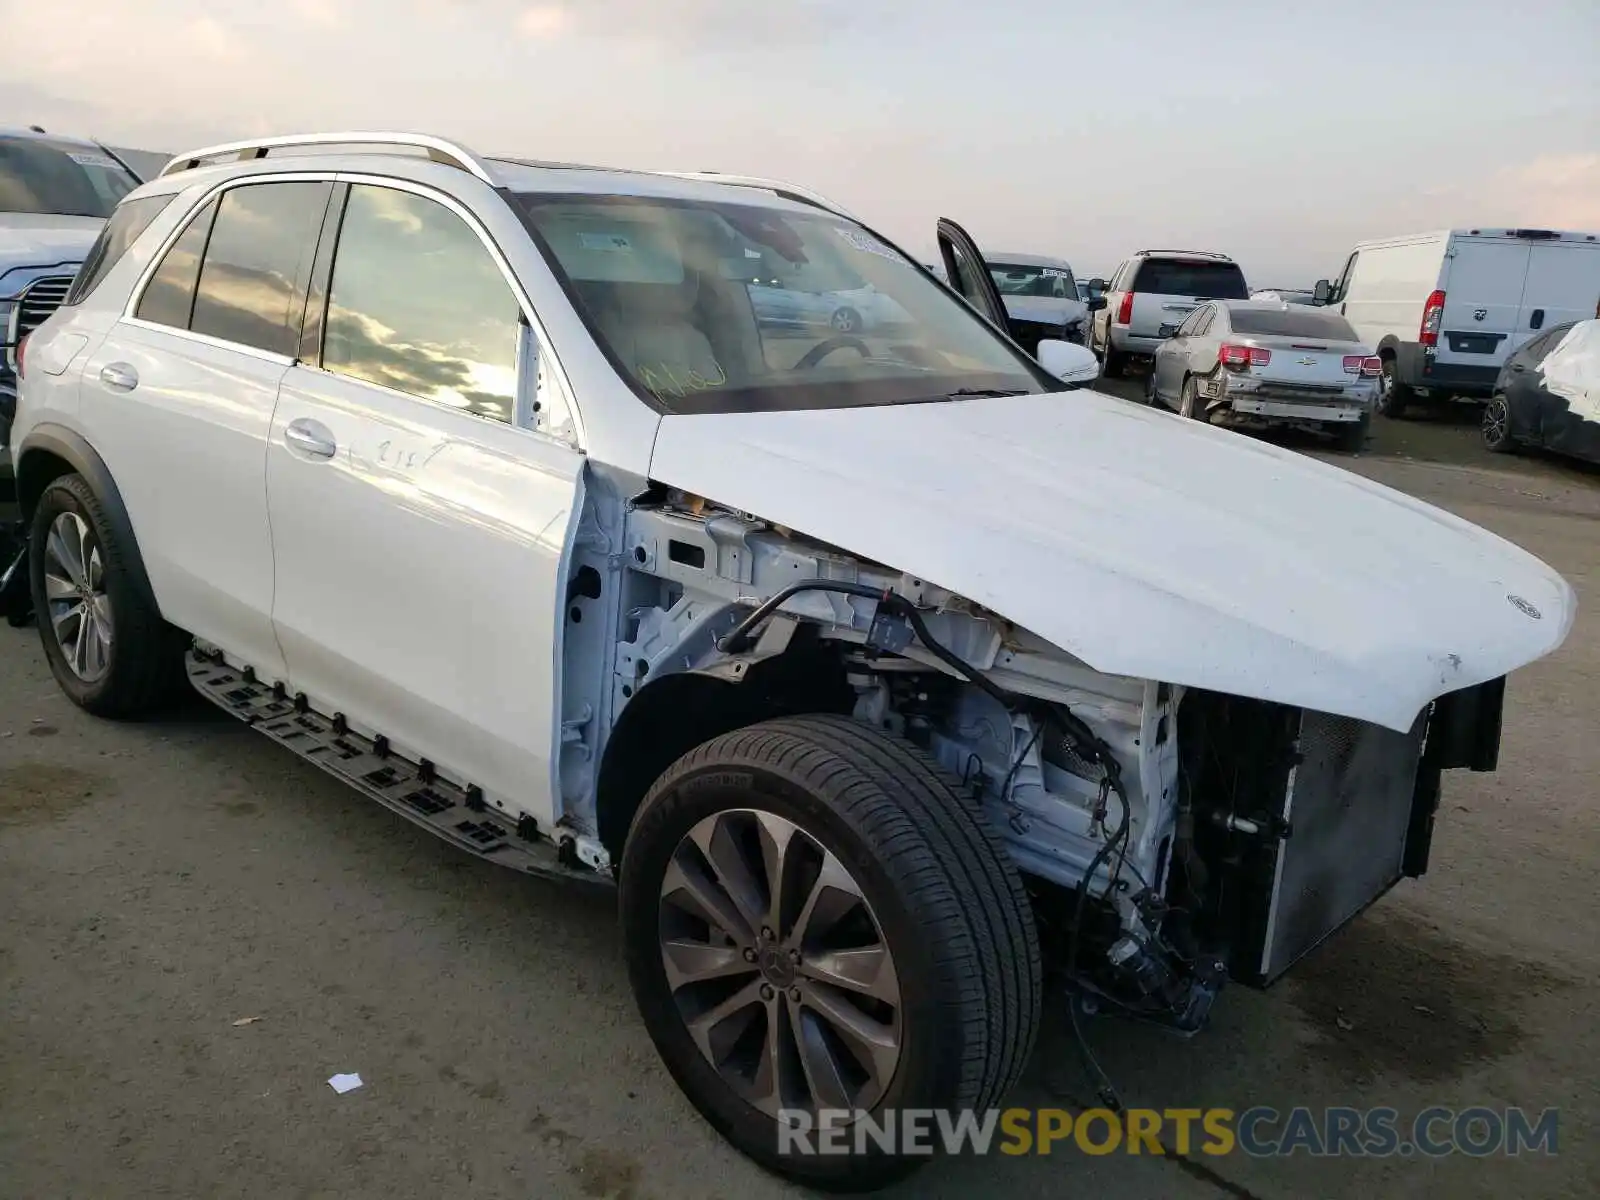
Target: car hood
x,y
42,240
1147,545
1047,310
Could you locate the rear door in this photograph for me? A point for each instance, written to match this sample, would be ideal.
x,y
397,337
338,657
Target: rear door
x,y
1483,284
180,395
1563,284
1166,290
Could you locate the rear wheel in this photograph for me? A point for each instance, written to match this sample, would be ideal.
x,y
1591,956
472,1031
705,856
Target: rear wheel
x,y
1351,436
1497,427
1394,397
1116,364
107,646
816,919
1189,402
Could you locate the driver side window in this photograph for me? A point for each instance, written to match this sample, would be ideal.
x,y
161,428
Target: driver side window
x,y
1343,286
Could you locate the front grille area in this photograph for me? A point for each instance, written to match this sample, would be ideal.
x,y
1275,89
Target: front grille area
x,y
33,308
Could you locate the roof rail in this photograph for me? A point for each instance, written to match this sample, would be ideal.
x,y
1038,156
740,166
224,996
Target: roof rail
x,y
791,191
1195,253
438,149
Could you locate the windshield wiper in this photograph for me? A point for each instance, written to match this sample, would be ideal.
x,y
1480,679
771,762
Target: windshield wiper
x,y
984,392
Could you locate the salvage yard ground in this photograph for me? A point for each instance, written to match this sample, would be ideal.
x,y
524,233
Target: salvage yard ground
x,y
163,882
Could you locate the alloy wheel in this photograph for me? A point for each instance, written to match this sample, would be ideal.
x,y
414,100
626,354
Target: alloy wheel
x,y
778,965
1495,419
78,608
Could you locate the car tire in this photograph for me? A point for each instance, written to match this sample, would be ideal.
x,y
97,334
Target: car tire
x,y
1351,436
1150,396
1189,400
845,320
1115,365
1497,437
106,644
919,878
1394,397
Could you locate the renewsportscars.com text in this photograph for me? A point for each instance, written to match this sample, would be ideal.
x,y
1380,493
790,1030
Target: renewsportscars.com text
x,y
1260,1132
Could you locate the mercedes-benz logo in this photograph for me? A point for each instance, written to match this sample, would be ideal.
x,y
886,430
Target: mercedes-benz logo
x,y
1524,607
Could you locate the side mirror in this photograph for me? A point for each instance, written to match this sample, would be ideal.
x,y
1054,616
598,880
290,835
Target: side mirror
x,y
1069,362
1095,302
1167,331
1323,292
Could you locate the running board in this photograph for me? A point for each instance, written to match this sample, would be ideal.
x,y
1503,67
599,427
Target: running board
x,y
414,790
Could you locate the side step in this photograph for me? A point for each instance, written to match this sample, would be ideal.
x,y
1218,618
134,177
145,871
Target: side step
x,y
458,815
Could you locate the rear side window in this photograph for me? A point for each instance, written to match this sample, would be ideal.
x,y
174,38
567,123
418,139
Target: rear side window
x,y
417,304
1180,277
169,296
1293,322
131,219
252,286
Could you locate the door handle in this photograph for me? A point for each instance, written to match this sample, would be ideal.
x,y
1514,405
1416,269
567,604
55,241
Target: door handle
x,y
310,438
119,377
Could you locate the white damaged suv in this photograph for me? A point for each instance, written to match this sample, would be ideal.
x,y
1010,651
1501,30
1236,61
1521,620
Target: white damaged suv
x,y
885,676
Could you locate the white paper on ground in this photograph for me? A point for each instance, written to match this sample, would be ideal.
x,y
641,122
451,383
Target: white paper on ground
x,y
345,1083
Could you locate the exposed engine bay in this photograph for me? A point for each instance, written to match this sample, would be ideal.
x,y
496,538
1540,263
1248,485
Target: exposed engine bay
x,y
1171,838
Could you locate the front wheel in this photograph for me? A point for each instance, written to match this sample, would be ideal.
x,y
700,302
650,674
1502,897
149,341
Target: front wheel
x,y
107,646
820,928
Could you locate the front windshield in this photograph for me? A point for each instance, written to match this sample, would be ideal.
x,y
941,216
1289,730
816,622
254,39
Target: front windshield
x,y
40,175
1023,279
710,307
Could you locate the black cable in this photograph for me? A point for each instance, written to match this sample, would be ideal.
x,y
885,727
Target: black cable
x,y
735,640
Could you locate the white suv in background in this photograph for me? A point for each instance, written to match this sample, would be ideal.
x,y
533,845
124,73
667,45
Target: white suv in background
x,y
55,193
1151,294
481,485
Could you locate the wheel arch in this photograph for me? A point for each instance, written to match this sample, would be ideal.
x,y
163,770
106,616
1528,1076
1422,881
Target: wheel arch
x,y
670,716
50,451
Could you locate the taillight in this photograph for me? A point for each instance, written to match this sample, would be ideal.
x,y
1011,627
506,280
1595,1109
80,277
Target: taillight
x,y
1359,364
1432,315
1125,309
1239,358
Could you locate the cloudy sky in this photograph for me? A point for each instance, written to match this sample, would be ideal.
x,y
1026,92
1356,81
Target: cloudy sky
x,y
1247,126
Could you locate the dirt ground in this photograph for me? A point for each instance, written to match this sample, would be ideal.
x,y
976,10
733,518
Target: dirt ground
x,y
163,882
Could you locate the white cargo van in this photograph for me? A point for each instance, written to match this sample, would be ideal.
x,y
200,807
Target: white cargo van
x,y
1446,309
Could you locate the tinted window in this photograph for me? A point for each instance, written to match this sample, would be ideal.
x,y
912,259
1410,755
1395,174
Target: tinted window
x,y
1293,322
1180,277
253,282
417,304
169,296
40,175
131,219
1547,341
1191,323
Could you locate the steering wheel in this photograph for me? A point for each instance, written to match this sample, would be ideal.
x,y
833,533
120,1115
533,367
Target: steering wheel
x,y
822,349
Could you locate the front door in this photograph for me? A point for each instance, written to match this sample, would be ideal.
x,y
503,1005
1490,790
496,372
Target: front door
x,y
180,396
968,273
419,519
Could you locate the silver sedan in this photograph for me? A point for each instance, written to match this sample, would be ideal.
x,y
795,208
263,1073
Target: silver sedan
x,y
1268,363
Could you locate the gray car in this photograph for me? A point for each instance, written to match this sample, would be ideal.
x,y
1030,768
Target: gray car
x,y
1265,362
55,196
